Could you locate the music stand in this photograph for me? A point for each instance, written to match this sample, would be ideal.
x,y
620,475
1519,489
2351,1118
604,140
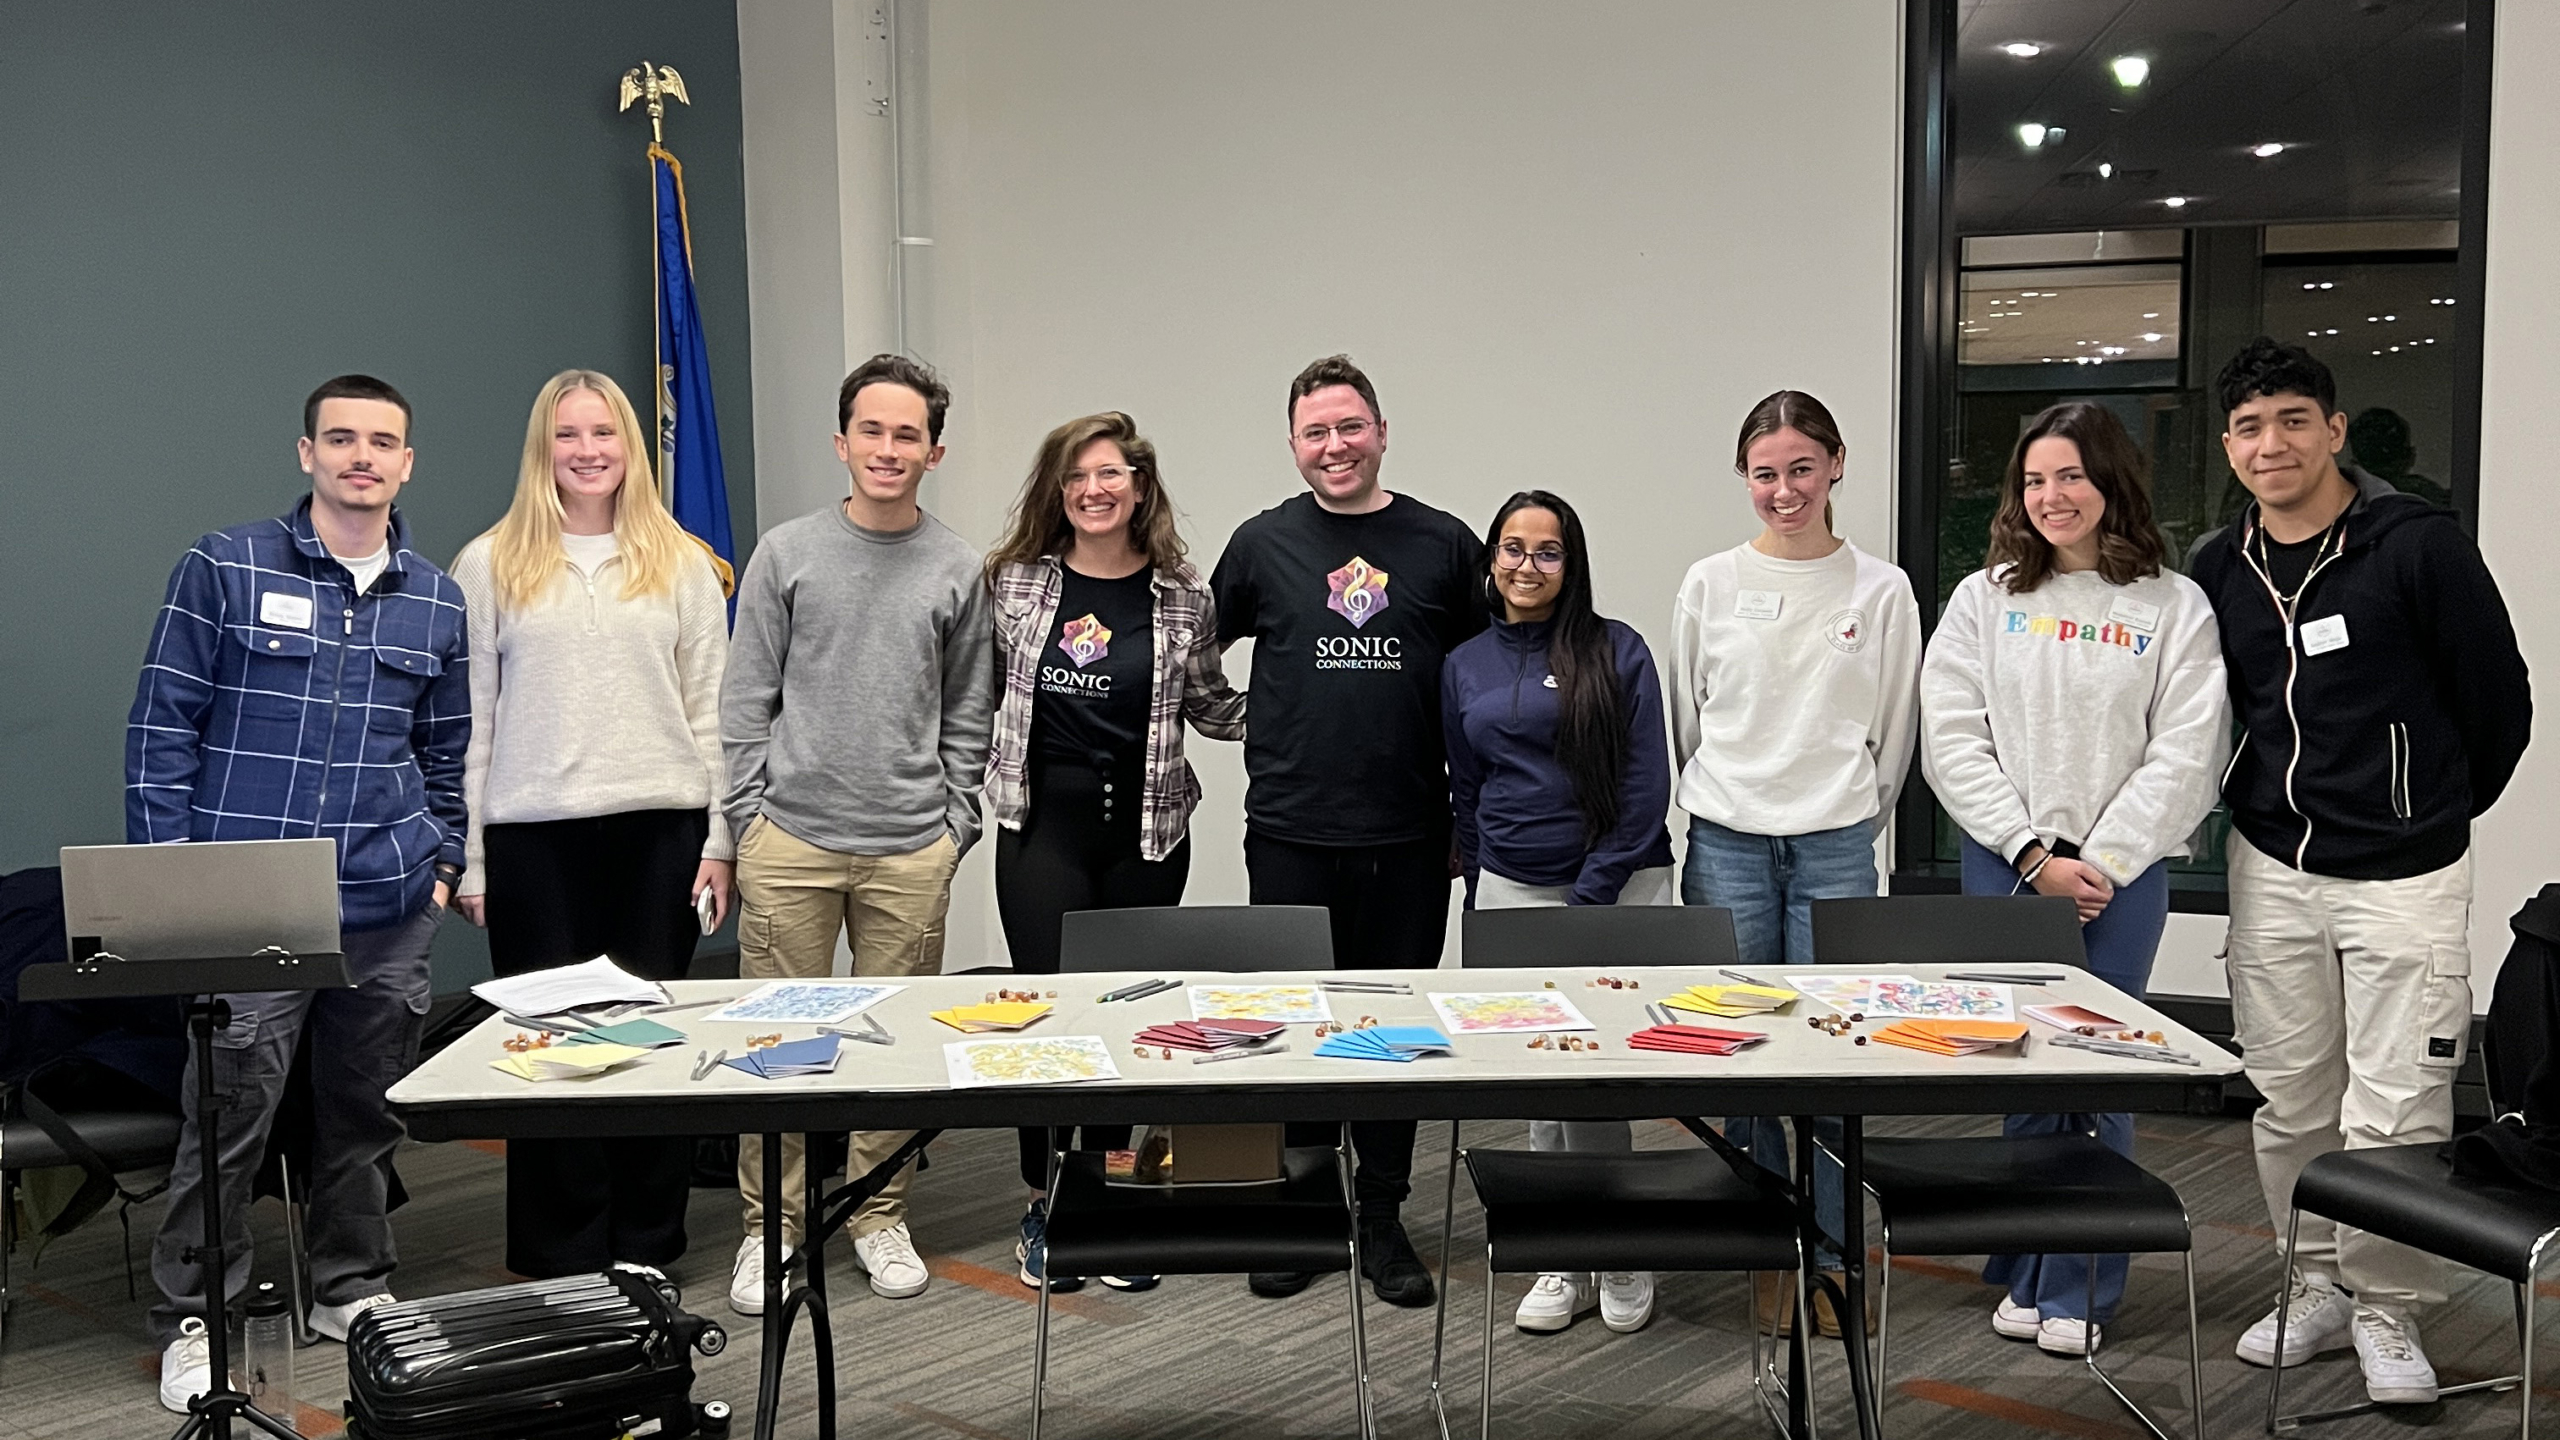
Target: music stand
x,y
103,975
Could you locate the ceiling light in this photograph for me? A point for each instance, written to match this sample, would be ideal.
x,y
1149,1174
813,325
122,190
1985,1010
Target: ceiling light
x,y
2308,285
2332,330
2267,151
2310,332
2150,337
2150,314
2370,319
2332,285
2022,49
2448,301
2106,171
2130,70
2176,202
2388,318
2031,134
2430,340
2377,352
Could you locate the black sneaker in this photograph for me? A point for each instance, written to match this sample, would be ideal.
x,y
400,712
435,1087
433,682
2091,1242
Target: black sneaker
x,y
1387,1259
1277,1284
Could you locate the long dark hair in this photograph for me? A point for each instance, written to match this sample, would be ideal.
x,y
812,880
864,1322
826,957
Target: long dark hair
x,y
2129,544
1591,719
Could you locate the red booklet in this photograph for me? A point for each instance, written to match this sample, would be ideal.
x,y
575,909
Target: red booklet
x,y
1694,1039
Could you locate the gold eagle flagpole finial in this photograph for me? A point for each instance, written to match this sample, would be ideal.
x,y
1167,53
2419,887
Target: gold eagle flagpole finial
x,y
655,84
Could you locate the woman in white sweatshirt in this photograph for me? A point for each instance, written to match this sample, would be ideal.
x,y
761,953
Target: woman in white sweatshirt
x,y
2077,723
1795,669
598,633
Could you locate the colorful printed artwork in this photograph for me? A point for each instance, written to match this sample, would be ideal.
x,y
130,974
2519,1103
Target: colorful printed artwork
x,y
1359,592
1047,1060
1511,1012
1940,1000
803,1003
1085,640
1288,1004
1848,994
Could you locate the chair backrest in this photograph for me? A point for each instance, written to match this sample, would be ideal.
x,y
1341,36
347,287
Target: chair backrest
x,y
1598,935
1948,930
1197,937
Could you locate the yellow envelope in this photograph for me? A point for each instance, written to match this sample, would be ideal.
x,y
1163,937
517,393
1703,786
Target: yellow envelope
x,y
559,1062
995,1015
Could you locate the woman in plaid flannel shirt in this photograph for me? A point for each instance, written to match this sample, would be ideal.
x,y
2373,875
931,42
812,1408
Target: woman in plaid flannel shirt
x,y
1109,642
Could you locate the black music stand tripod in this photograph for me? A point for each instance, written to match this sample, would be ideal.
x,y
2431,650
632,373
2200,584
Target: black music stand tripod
x,y
203,983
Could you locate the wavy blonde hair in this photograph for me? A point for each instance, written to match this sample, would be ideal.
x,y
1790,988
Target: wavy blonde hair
x,y
524,546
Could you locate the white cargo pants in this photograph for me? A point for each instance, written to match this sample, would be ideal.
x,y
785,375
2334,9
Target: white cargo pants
x,y
2352,1002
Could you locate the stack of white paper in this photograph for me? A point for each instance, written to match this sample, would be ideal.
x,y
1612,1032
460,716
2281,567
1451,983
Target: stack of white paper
x,y
570,987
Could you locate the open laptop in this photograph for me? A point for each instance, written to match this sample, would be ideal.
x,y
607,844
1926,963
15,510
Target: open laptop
x,y
210,900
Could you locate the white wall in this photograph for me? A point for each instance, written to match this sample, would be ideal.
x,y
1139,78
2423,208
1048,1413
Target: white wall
x,y
1571,255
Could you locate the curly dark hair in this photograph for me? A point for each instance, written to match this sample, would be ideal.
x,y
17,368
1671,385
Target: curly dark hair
x,y
2268,366
2129,544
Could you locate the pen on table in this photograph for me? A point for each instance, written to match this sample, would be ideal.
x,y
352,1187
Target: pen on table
x,y
2131,1052
2005,977
1238,1054
1747,980
1367,987
1657,1014
872,1033
684,1005
704,1062
1132,992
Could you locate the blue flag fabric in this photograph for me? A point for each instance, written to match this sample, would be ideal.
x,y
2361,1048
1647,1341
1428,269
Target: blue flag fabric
x,y
688,428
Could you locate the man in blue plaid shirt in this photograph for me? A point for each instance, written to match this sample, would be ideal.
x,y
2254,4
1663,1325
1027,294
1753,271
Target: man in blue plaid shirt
x,y
308,675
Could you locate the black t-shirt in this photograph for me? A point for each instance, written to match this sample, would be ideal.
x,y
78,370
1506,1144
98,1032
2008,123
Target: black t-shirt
x,y
1350,616
1097,671
2289,565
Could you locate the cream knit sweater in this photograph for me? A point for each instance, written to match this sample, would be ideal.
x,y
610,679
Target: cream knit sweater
x,y
588,703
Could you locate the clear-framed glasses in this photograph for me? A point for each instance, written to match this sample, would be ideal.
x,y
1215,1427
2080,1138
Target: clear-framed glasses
x,y
1108,477
1548,558
1351,431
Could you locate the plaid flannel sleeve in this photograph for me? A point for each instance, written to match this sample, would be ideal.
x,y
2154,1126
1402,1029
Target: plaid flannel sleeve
x,y
164,736
441,736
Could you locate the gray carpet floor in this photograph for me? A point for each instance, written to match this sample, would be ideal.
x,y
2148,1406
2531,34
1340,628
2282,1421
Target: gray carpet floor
x,y
1201,1357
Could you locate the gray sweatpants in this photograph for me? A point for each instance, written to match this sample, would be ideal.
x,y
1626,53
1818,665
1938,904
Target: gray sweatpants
x,y
362,1039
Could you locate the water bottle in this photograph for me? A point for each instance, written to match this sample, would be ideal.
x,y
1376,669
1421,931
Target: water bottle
x,y
266,1352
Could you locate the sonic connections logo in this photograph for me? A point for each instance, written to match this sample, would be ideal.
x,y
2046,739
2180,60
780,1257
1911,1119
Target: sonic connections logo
x,y
1085,640
1359,592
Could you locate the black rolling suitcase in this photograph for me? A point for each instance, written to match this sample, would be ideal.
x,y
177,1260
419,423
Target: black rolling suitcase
x,y
587,1357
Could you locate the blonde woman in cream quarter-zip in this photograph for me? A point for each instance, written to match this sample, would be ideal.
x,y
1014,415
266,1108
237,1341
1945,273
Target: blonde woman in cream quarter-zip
x,y
598,631
2077,723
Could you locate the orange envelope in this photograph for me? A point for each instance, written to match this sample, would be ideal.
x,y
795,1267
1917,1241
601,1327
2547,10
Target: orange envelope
x,y
1954,1037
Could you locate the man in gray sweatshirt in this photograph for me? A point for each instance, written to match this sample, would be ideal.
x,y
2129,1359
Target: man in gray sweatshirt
x,y
855,717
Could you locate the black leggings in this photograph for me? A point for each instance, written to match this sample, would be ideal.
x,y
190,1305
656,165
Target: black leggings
x,y
1077,850
562,891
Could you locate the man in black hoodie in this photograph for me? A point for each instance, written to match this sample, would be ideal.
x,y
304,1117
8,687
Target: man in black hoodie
x,y
2384,706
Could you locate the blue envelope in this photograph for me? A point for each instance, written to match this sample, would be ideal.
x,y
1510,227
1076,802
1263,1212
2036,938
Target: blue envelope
x,y
814,1056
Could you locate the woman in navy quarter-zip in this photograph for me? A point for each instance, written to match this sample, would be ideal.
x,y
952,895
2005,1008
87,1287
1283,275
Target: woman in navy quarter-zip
x,y
1559,780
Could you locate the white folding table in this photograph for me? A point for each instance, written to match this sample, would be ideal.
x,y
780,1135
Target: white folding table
x,y
1799,1071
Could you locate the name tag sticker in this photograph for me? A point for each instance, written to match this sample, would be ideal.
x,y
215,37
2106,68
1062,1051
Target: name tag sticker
x,y
1756,604
285,612
2325,634
2134,614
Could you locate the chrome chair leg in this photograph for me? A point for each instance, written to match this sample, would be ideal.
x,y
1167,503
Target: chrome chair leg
x,y
1346,1164
1040,1353
2524,1302
1884,1318
2284,1304
2278,1421
1484,1398
1440,1309
2195,1357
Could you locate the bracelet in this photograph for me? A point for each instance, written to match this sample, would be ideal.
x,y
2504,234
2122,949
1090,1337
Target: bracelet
x,y
2029,879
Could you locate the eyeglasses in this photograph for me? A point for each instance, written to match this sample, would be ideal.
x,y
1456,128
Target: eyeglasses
x,y
1511,557
1109,477
1351,432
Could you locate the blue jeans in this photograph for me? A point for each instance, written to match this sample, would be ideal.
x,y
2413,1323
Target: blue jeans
x,y
1770,882
2122,942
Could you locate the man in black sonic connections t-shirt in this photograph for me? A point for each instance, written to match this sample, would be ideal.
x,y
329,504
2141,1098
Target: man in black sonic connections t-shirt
x,y
1352,596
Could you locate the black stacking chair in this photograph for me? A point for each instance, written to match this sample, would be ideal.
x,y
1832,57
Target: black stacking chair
x,y
106,1142
1302,1222
1658,1210
1993,1195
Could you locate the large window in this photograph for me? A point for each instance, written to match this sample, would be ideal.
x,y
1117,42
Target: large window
x,y
2107,200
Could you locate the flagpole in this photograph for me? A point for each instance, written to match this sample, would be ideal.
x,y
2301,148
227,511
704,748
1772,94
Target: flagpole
x,y
654,85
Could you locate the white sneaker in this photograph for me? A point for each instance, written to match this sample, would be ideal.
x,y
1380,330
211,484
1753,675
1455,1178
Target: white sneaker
x,y
2396,1371
186,1367
1626,1299
746,1276
332,1320
889,1258
2063,1335
2018,1322
2316,1319
1552,1303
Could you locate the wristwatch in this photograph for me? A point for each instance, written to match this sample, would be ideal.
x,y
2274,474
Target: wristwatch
x,y
450,875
